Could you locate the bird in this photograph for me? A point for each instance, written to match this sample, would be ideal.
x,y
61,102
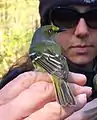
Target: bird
x,y
46,56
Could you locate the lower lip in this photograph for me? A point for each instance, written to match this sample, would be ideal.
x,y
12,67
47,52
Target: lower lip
x,y
82,49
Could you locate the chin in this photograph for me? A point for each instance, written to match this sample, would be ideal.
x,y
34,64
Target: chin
x,y
81,61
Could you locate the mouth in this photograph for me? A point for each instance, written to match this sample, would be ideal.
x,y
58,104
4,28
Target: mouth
x,y
82,48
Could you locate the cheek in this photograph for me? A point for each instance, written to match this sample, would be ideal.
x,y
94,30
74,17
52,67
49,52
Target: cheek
x,y
94,40
63,40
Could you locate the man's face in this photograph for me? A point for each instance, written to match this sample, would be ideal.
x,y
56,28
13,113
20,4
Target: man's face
x,y
79,43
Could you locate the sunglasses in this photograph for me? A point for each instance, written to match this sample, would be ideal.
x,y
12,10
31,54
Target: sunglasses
x,y
66,18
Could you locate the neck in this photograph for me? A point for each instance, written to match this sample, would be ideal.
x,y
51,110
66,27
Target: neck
x,y
88,66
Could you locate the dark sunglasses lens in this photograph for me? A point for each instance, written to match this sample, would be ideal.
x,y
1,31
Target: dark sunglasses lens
x,y
64,18
91,18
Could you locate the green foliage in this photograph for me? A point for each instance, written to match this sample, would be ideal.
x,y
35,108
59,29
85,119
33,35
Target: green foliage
x,y
18,21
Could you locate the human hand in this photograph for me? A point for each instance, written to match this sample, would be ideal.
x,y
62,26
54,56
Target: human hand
x,y
31,96
88,112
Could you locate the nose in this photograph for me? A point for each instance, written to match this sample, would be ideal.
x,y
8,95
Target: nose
x,y
81,29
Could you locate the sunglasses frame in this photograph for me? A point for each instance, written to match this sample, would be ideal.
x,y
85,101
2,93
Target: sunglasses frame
x,y
79,15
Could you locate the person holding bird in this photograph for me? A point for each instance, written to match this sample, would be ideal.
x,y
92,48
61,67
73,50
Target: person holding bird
x,y
71,40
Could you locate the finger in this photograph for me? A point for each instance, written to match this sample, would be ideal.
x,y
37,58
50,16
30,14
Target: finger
x,y
77,78
88,112
54,111
77,89
51,111
81,115
20,83
81,101
30,100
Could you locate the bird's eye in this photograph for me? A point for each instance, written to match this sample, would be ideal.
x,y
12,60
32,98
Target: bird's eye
x,y
50,31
